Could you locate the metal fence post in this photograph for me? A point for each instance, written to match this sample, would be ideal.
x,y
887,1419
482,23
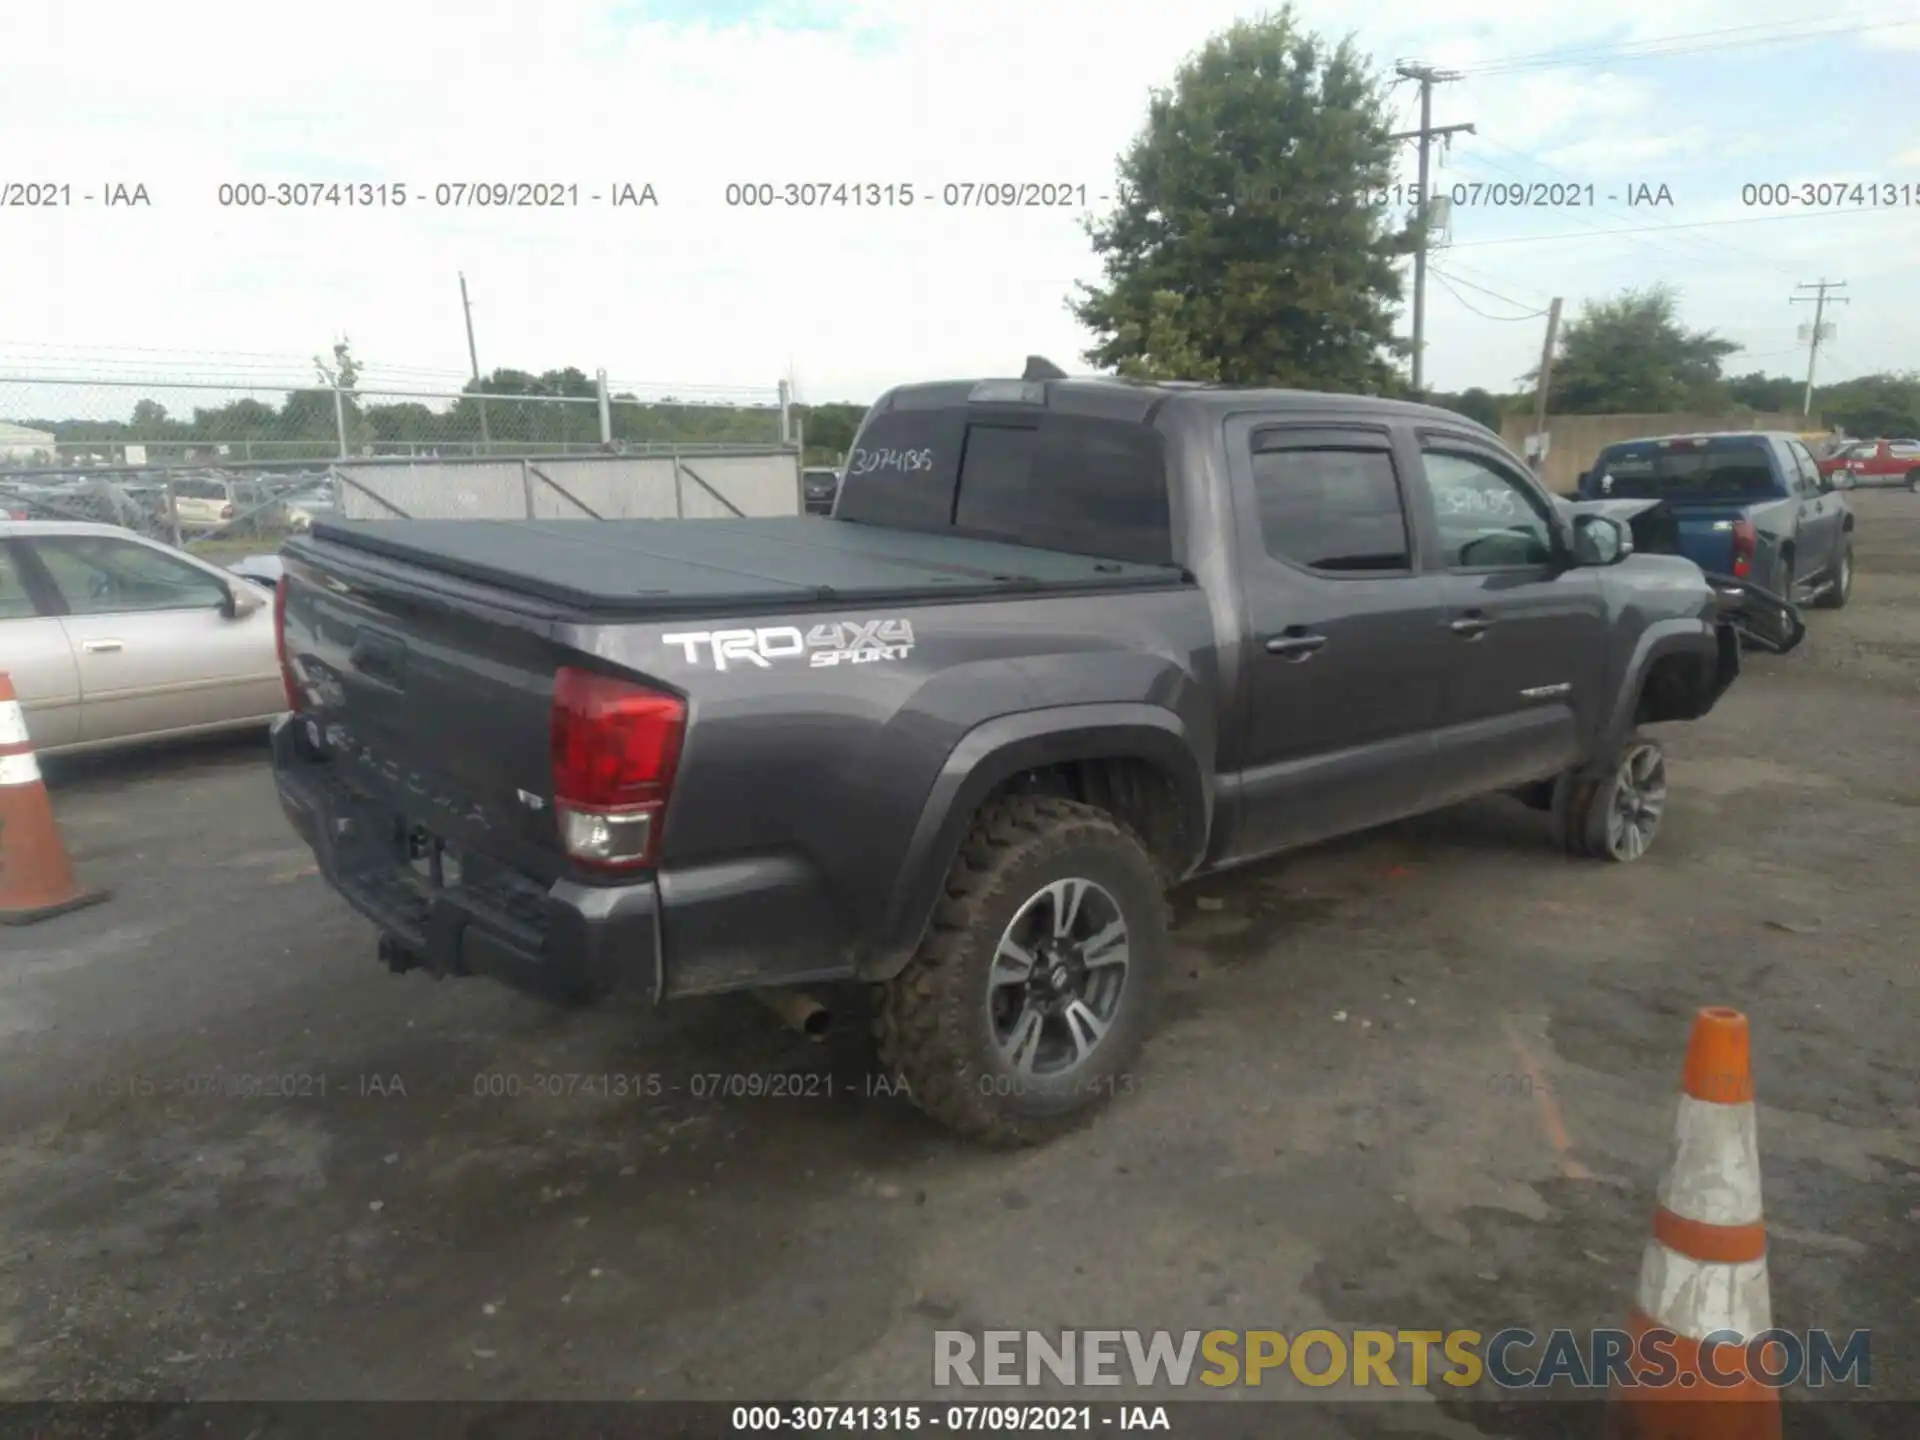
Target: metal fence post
x,y
526,485
606,410
173,517
786,413
679,491
340,419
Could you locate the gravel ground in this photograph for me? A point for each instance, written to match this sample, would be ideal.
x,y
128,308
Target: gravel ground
x,y
1331,1126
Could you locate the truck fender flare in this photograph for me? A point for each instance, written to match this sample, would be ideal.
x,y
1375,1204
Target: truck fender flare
x,y
1675,636
995,751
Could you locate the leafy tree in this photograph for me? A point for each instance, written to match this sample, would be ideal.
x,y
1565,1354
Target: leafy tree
x,y
1243,246
1872,406
1476,404
1774,394
1630,355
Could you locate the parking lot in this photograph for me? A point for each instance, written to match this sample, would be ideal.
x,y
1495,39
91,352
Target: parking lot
x,y
1422,1079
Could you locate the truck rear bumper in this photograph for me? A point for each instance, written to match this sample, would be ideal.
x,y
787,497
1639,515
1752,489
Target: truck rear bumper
x,y
566,941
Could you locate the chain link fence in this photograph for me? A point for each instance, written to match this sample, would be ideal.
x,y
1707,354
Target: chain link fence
x,y
206,464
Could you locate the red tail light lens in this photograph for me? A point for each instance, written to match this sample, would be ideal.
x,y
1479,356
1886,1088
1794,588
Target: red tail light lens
x,y
616,746
1745,541
288,677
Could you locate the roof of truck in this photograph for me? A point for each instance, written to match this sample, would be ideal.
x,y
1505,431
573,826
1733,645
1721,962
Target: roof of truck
x,y
1113,398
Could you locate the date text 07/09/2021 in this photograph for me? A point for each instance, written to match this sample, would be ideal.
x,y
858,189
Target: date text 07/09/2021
x,y
954,1419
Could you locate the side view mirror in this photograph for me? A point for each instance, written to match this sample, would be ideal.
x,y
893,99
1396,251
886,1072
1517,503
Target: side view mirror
x,y
1600,540
242,599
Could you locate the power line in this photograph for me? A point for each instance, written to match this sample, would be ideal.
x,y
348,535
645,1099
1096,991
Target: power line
x,y
1698,43
1616,215
1468,305
1691,225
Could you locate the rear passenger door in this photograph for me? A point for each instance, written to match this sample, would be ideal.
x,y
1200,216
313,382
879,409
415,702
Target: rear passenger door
x,y
36,655
1526,630
1345,651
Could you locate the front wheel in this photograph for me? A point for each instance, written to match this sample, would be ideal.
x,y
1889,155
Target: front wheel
x,y
1913,481
1617,816
1029,999
1837,593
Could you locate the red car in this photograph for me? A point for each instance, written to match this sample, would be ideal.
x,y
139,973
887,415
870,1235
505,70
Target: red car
x,y
1875,462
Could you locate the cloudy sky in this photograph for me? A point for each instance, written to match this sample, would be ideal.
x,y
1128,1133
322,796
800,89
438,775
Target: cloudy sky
x,y
1699,96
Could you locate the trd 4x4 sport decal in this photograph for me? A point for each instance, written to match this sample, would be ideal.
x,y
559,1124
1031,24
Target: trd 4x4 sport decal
x,y
850,642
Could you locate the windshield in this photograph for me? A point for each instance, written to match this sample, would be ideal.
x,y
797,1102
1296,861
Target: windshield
x,y
1737,467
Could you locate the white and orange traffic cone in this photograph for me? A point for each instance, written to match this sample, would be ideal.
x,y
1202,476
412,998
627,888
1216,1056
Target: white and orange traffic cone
x,y
1704,1274
36,879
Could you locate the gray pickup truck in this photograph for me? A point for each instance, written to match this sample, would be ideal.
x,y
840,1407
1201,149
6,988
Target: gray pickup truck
x,y
1062,644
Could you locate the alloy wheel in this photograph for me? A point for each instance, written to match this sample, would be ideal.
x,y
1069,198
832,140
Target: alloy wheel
x,y
1638,801
1058,979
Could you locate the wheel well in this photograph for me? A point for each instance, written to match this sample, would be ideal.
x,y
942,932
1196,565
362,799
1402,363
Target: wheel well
x,y
1676,687
1137,793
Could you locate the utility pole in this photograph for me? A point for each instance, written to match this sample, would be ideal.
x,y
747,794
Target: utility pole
x,y
1426,135
1820,301
1541,385
473,359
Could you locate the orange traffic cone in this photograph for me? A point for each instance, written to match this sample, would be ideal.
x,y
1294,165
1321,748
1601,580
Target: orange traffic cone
x,y
36,880
1704,1274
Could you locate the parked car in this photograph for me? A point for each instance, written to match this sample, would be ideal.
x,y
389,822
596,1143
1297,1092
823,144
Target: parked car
x,y
1864,463
114,639
306,505
1748,504
1063,643
818,487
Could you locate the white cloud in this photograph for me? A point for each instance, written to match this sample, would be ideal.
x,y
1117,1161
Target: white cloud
x,y
922,93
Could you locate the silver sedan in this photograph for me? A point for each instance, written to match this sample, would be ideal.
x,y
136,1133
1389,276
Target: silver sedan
x,y
112,639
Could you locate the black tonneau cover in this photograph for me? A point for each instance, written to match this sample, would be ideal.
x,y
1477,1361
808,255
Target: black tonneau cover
x,y
764,563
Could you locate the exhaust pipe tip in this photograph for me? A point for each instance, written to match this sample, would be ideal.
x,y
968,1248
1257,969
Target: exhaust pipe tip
x,y
798,1010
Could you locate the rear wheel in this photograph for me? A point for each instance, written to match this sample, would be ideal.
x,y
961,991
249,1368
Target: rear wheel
x,y
1913,481
1029,999
1836,595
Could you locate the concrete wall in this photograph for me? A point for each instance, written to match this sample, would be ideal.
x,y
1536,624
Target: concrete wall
x,y
1577,439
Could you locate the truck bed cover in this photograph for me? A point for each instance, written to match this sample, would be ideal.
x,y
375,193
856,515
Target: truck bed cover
x,y
774,562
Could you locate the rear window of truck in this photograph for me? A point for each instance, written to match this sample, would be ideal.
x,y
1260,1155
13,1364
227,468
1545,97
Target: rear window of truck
x,y
1057,482
1735,467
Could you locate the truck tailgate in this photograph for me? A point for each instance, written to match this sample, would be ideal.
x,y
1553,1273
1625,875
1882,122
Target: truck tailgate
x,y
439,711
1704,533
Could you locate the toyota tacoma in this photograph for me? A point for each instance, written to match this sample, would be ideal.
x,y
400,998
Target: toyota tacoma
x,y
1063,643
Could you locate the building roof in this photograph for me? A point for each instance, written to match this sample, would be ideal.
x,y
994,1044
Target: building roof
x,y
21,435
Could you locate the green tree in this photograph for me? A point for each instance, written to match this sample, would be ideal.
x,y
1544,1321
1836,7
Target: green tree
x,y
1631,355
1476,404
1246,244
1872,406
1774,394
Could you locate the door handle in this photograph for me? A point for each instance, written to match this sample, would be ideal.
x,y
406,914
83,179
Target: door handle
x,y
97,647
1294,643
1471,626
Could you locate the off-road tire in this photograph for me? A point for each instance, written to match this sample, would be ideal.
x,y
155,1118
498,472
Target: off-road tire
x,y
1836,595
1581,806
933,1028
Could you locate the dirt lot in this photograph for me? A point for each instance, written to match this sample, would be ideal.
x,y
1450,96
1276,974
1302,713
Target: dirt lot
x,y
395,1230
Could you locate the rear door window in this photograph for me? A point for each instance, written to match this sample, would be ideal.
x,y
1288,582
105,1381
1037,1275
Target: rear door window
x,y
15,602
1330,503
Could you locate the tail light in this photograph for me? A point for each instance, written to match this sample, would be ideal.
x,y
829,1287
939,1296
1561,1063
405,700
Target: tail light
x,y
1745,540
616,746
289,677
226,512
